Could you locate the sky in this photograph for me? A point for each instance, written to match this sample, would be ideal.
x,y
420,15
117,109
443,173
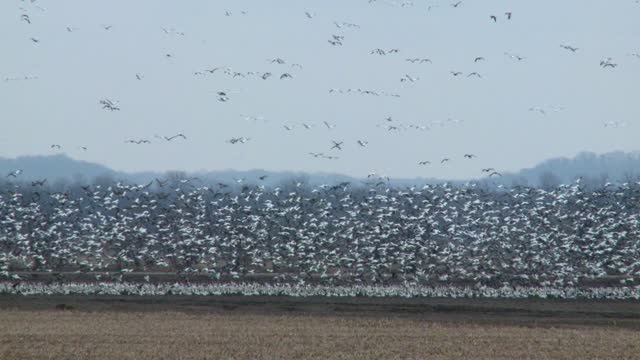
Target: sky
x,y
587,107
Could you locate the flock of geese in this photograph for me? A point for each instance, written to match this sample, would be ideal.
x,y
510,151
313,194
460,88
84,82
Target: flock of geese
x,y
288,72
333,239
308,290
435,235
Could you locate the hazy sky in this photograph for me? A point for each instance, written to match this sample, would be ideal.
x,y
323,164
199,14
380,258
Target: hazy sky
x,y
491,118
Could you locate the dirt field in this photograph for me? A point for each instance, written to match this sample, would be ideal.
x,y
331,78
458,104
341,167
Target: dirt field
x,y
354,328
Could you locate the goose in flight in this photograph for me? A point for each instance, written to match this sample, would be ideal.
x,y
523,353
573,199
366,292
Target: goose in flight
x,y
241,140
109,105
362,143
309,15
35,39
15,78
515,56
425,162
316,154
509,14
335,42
409,78
107,27
570,48
456,4
266,75
337,144
139,77
213,70
286,76
263,177
170,138
479,58
39,182
469,156
495,173
494,18
487,170
56,146
607,63
25,18
456,73
329,126
615,124
222,96
538,110
346,24
444,160
419,60
138,142
15,173
278,61
474,74
287,127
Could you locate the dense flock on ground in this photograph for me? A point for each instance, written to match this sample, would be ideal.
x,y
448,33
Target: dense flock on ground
x,y
330,235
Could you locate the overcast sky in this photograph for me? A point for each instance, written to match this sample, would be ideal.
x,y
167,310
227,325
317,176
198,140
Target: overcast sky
x,y
486,116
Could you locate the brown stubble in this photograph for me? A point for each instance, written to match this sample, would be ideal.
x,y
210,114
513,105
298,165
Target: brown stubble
x,y
171,335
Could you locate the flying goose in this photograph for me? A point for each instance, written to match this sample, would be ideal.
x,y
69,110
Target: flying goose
x,y
138,142
109,105
329,126
570,48
39,182
15,173
418,60
170,138
515,56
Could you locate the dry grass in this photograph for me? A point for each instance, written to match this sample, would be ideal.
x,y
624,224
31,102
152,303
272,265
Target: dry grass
x,y
117,335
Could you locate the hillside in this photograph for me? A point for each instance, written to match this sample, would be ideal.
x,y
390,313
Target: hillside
x,y
594,169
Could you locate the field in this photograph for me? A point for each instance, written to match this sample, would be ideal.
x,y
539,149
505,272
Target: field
x,y
174,327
